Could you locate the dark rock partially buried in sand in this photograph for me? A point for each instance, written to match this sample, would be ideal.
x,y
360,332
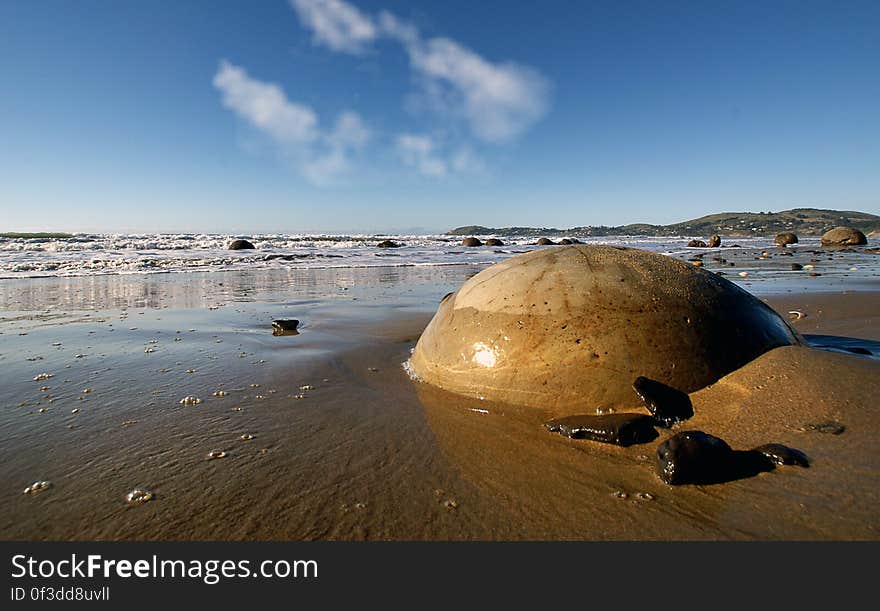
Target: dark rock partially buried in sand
x,y
619,429
471,242
785,238
388,244
545,242
695,457
783,455
844,236
696,244
285,327
494,242
668,405
240,245
568,329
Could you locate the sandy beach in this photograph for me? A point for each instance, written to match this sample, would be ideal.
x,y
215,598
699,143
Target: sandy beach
x,y
323,435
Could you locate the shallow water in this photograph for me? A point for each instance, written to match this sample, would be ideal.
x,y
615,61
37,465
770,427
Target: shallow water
x,y
324,435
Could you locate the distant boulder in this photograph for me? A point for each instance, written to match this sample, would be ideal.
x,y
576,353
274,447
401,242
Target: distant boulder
x,y
471,242
240,245
544,242
786,238
569,241
715,241
844,236
388,244
697,244
494,242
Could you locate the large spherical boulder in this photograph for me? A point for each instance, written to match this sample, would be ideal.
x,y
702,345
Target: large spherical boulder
x,y
571,328
240,245
715,241
471,242
494,242
844,236
785,238
545,242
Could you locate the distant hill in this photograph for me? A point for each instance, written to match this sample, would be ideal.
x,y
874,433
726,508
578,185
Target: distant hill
x,y
802,221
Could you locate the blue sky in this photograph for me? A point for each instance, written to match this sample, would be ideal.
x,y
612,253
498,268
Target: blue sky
x,y
375,115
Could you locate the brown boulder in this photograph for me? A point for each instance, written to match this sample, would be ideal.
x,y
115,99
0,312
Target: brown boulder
x,y
844,236
564,329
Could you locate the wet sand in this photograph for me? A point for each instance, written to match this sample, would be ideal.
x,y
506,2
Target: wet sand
x,y
346,446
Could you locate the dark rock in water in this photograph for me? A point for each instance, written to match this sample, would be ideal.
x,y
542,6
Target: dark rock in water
x,y
471,242
830,427
796,267
695,457
545,242
388,244
786,238
240,245
783,455
697,244
285,327
668,405
715,241
494,242
844,236
619,429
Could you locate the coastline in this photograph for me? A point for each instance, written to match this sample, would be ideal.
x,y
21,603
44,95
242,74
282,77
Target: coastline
x,y
366,453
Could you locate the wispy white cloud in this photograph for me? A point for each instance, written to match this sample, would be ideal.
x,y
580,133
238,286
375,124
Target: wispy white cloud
x,y
499,101
265,106
336,24
321,156
417,151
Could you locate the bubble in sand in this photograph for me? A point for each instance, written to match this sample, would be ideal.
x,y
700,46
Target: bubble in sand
x,y
220,393
42,376
75,410
620,494
139,496
37,487
148,350
190,400
215,454
86,391
42,410
44,388
644,496
246,437
307,387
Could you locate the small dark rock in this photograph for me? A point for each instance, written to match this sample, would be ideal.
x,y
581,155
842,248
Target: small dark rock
x,y
695,457
388,244
783,455
471,242
697,244
668,405
796,267
240,245
619,429
830,427
285,327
